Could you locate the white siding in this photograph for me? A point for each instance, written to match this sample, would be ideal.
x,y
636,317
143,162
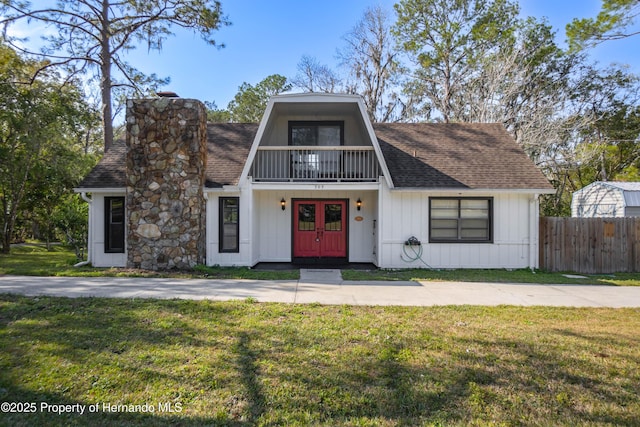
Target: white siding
x,y
214,256
96,242
405,214
274,226
266,230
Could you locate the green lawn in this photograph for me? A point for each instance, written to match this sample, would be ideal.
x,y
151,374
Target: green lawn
x,y
35,260
500,276
242,364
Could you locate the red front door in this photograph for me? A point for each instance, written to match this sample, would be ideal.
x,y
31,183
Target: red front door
x,y
319,229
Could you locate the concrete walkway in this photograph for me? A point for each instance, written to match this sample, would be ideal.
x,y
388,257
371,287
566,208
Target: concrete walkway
x,y
327,287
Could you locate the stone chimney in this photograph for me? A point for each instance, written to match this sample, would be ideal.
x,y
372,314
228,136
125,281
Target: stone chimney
x,y
166,162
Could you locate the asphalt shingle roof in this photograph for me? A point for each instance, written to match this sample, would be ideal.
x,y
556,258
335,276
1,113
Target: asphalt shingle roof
x,y
110,172
418,155
456,155
229,146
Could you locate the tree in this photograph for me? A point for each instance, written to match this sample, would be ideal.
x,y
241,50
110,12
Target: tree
x,y
215,114
39,128
96,34
315,77
598,139
70,221
521,84
612,23
446,40
371,58
250,102
60,167
608,140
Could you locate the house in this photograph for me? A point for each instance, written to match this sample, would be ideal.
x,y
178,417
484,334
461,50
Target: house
x,y
603,199
314,182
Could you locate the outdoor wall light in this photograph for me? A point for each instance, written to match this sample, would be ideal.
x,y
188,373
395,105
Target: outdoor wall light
x,y
358,203
283,203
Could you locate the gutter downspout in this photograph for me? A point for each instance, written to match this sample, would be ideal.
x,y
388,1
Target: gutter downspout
x,y
89,234
534,214
207,228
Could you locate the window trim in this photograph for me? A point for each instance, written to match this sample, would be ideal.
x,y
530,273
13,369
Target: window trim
x,y
317,124
108,225
459,239
221,224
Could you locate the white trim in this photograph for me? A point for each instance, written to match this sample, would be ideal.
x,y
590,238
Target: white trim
x,y
222,190
316,186
474,190
100,190
374,142
316,98
337,186
257,139
534,214
316,148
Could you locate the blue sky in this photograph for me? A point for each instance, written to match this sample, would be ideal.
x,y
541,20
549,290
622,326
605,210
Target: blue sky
x,y
270,37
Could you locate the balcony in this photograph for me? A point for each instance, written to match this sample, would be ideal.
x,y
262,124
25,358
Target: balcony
x,y
315,163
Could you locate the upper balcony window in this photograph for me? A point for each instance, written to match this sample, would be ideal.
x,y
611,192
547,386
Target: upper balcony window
x,y
324,134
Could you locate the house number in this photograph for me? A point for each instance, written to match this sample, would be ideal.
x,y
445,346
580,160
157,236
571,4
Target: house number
x,y
319,187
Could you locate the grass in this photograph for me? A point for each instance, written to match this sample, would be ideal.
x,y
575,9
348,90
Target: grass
x,y
244,363
499,276
35,260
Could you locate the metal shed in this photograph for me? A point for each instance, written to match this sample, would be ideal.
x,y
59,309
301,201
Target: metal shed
x,y
603,199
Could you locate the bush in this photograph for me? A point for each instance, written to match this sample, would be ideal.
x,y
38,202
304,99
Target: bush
x,y
70,218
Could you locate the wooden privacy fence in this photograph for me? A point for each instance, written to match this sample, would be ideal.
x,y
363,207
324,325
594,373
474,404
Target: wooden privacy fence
x,y
590,245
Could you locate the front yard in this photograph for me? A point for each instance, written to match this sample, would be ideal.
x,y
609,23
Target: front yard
x,y
34,260
118,362
243,363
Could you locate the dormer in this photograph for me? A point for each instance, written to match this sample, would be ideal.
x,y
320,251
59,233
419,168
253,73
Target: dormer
x,y
315,138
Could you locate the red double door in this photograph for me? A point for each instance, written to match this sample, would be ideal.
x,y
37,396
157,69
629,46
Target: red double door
x,y
319,229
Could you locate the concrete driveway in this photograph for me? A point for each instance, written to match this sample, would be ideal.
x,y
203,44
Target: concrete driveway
x,y
327,287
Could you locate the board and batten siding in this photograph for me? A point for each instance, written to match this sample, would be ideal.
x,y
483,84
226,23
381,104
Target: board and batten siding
x,y
228,259
97,236
266,230
404,214
273,226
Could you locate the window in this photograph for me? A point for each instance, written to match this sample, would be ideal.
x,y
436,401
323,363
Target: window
x,y
114,225
460,220
332,217
229,224
311,163
324,134
307,217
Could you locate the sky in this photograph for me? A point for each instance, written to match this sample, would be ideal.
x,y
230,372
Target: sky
x,y
270,37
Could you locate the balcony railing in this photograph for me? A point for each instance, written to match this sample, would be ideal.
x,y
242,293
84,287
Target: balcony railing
x,y
337,164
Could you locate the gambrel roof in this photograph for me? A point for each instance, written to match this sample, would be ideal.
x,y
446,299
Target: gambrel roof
x,y
418,155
